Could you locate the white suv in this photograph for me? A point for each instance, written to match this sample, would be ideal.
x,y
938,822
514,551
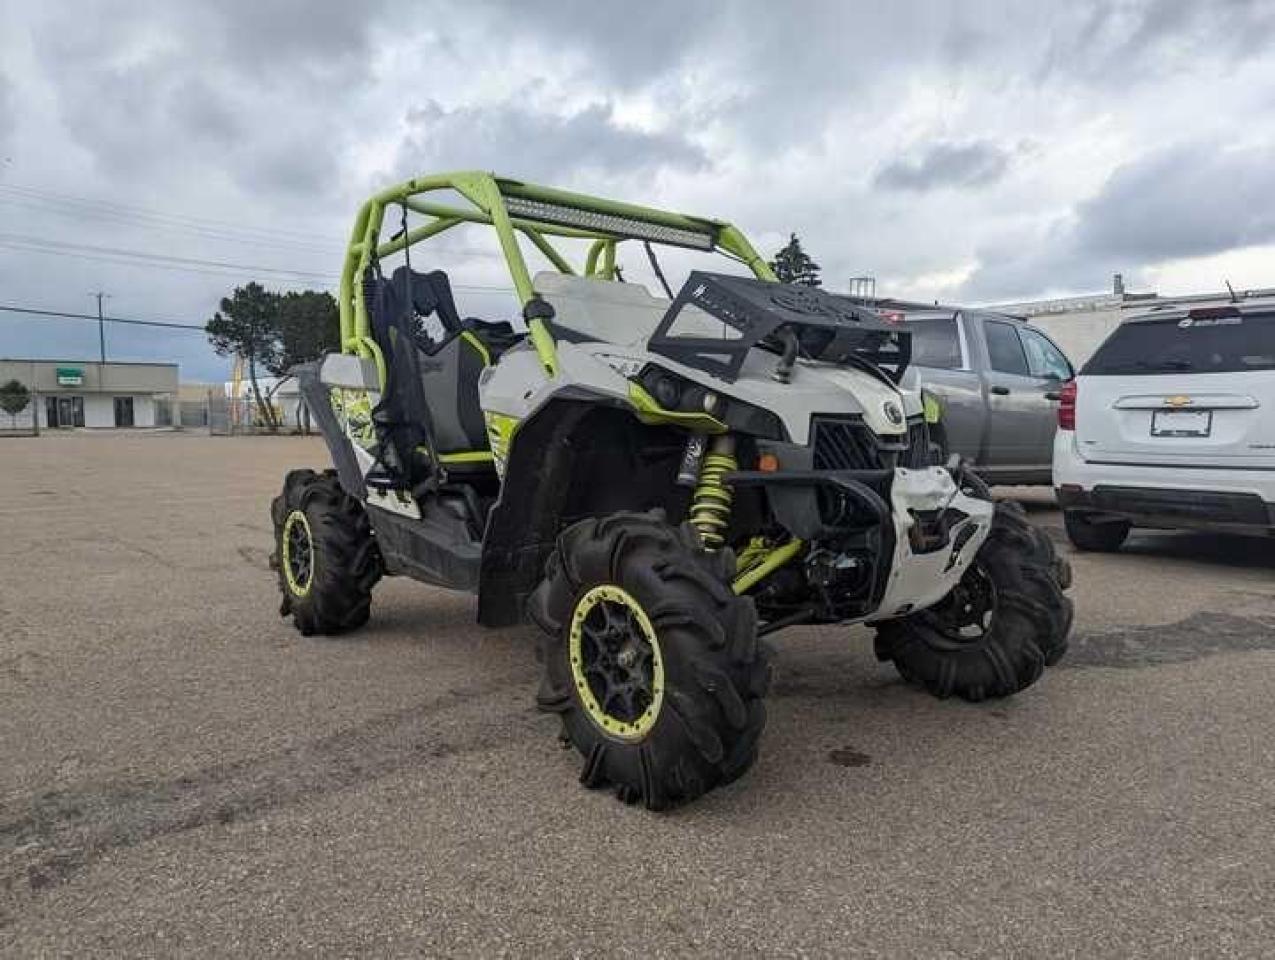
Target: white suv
x,y
1171,423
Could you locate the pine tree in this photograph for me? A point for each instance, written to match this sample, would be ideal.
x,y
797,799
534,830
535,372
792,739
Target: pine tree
x,y
793,265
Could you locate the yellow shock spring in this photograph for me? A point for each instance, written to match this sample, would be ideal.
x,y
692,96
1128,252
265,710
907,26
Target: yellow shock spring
x,y
710,507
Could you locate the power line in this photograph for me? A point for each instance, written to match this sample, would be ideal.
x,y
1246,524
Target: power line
x,y
119,261
70,203
212,234
146,218
92,316
214,268
122,254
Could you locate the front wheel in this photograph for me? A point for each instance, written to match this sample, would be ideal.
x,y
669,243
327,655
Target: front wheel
x,y
327,559
650,659
995,633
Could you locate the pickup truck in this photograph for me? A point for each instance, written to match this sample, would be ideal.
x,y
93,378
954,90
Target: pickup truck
x,y
995,381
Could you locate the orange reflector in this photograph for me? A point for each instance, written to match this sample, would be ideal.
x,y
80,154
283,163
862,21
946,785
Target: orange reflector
x,y
768,463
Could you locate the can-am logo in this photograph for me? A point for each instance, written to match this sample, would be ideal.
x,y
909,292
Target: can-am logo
x,y
892,412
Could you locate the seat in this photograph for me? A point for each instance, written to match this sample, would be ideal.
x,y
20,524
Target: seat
x,y
433,360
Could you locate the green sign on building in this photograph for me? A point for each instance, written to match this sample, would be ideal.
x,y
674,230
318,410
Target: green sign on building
x,y
70,377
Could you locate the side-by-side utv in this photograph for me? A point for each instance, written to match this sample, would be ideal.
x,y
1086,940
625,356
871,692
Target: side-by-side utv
x,y
655,482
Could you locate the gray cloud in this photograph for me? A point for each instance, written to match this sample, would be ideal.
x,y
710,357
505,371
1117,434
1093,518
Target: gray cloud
x,y
153,90
537,145
630,46
1188,200
8,114
975,164
1114,46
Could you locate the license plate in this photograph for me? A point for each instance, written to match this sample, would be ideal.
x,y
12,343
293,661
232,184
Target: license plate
x,y
1181,423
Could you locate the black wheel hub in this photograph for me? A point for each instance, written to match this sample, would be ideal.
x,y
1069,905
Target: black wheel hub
x,y
618,661
300,553
965,615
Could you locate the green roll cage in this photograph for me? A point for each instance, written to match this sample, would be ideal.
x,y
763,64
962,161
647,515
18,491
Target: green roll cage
x,y
513,207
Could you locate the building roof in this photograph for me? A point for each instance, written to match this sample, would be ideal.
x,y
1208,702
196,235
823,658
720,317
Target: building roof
x,y
87,363
1093,303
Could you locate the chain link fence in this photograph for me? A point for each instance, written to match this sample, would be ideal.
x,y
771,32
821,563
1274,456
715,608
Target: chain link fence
x,y
240,416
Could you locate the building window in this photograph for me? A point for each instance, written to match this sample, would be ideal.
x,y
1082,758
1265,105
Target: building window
x,y
64,411
123,411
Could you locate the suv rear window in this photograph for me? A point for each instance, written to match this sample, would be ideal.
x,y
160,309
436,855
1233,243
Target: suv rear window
x,y
1219,344
935,343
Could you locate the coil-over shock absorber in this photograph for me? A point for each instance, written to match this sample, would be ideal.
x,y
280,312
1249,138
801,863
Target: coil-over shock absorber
x,y
711,504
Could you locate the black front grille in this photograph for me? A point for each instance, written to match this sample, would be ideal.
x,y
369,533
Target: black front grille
x,y
844,445
848,444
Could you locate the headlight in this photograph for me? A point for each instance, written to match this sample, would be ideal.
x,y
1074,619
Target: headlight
x,y
666,390
676,393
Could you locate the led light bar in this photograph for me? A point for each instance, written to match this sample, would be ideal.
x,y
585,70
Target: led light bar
x,y
608,223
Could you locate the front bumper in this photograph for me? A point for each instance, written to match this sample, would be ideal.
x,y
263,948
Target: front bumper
x,y
928,529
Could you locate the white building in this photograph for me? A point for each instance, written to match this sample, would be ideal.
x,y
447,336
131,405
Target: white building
x,y
77,393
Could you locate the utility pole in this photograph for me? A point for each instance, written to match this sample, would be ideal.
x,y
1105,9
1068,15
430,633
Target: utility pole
x,y
101,324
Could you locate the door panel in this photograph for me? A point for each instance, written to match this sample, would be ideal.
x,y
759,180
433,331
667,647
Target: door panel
x,y
1050,369
70,411
1021,432
960,396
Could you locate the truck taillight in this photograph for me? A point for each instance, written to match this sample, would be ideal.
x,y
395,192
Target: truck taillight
x,y
1067,406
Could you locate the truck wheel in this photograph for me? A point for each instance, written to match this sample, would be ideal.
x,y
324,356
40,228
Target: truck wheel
x,y
652,662
1101,536
325,554
1004,623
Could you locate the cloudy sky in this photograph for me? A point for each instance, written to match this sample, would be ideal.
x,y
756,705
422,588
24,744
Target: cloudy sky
x,y
165,152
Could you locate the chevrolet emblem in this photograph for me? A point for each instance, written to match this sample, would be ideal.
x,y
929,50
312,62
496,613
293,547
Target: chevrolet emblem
x,y
1178,401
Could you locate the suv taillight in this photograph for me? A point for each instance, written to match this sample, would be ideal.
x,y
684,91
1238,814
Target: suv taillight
x,y
1067,406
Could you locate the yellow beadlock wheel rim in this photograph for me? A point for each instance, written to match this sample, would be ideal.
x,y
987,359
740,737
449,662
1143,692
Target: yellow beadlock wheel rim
x,y
616,664
298,553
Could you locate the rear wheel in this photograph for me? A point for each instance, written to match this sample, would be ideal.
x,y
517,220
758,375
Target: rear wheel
x,y
324,553
1086,532
650,659
1004,623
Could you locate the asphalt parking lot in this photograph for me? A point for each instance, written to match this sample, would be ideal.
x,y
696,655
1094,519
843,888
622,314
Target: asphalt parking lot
x,y
183,773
